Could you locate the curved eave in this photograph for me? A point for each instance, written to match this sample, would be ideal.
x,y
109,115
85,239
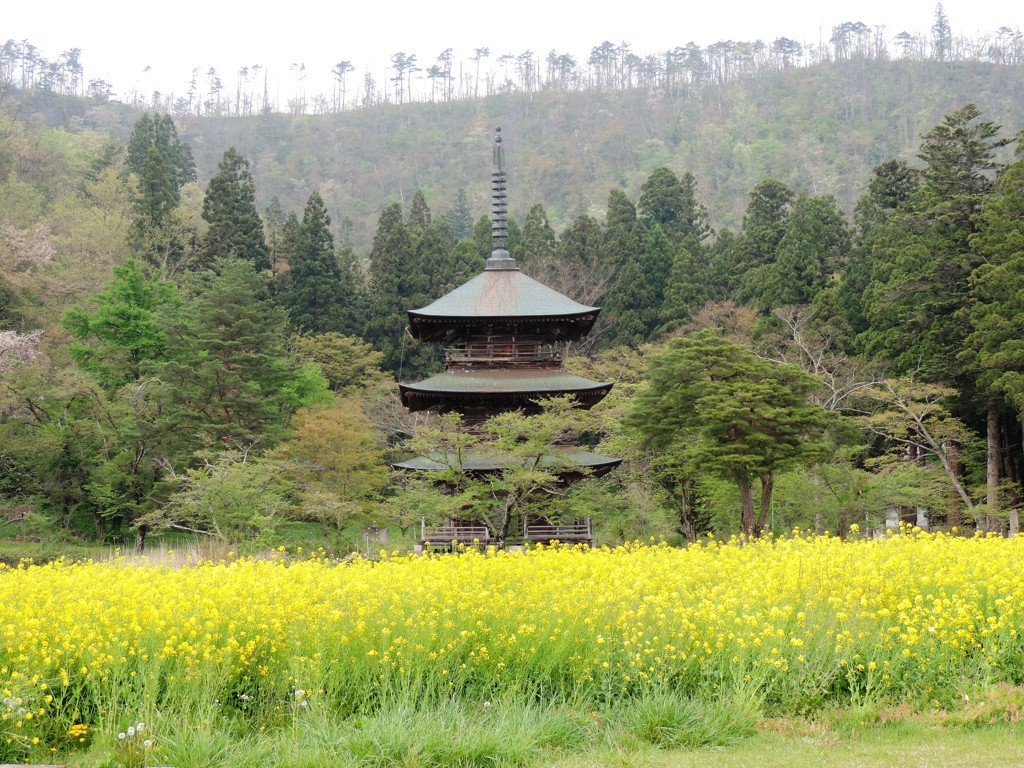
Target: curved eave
x,y
418,397
566,463
433,328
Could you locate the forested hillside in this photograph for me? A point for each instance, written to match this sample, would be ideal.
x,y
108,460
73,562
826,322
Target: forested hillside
x,y
819,129
809,281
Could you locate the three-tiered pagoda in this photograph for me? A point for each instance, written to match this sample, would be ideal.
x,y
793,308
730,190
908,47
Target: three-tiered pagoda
x,y
505,336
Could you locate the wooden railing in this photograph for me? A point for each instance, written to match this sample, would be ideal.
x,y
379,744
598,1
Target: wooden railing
x,y
461,534
578,531
511,355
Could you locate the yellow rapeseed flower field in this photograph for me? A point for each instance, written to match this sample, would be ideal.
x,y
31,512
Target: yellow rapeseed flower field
x,y
795,622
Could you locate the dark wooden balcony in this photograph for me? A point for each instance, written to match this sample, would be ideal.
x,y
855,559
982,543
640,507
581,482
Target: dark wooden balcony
x,y
503,355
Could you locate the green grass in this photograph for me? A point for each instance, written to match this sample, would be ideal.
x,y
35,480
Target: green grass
x,y
657,732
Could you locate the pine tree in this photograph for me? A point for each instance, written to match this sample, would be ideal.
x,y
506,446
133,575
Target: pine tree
x,y
236,229
731,414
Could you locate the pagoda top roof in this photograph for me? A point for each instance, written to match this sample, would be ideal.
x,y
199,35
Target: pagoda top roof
x,y
501,294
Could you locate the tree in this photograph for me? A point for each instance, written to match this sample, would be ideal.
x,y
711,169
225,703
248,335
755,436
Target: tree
x,y
233,496
672,202
732,414
942,36
764,226
227,381
161,164
460,216
122,333
994,354
537,247
530,474
914,418
315,292
892,186
391,257
335,457
229,207
636,295
815,246
348,362
922,261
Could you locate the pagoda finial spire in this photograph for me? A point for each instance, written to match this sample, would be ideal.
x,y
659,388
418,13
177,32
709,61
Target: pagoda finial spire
x,y
500,258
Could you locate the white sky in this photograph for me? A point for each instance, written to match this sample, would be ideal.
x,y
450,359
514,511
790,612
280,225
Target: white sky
x,y
120,39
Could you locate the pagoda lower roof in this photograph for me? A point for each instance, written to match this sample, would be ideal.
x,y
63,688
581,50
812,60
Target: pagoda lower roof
x,y
501,385
568,460
501,297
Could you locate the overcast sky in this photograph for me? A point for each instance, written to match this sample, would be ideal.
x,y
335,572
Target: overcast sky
x,y
119,39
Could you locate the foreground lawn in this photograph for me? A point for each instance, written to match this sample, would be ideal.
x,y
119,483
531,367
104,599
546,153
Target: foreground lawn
x,y
908,745
502,659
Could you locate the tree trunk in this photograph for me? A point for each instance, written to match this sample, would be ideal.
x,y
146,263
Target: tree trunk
x,y
746,506
685,512
767,488
955,516
992,473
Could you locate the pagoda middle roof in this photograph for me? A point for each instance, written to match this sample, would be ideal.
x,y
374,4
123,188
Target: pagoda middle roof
x,y
504,380
505,294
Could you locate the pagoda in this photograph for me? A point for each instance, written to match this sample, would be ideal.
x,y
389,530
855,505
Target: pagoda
x,y
505,336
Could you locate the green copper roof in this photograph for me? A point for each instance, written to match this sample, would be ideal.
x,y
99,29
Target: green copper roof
x,y
487,381
500,293
454,387
568,460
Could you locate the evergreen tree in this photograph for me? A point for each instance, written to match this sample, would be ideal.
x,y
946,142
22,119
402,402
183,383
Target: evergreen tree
x,y
764,226
636,296
483,238
918,295
315,293
230,208
537,246
995,352
159,132
667,200
687,289
392,254
227,382
461,216
814,248
731,414
892,186
161,163
419,212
